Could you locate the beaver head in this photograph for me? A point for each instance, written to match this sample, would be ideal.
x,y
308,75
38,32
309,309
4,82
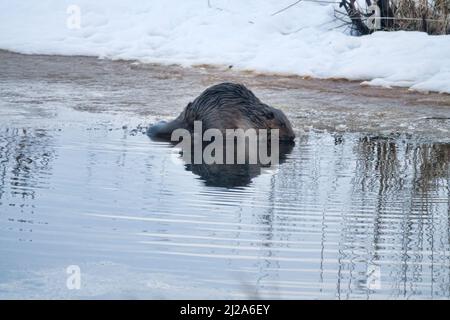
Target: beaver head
x,y
276,119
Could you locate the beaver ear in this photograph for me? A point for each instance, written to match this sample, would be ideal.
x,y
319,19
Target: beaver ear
x,y
270,115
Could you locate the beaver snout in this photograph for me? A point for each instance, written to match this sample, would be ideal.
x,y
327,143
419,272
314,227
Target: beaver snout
x,y
287,137
286,132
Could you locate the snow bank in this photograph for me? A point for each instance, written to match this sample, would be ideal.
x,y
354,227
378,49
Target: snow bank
x,y
304,39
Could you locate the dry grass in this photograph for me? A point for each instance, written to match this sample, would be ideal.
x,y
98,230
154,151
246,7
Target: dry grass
x,y
431,16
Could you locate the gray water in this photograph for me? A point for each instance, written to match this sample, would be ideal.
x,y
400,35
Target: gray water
x,y
358,209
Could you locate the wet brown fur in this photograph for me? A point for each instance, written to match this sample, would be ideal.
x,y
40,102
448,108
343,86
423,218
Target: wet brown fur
x,y
227,106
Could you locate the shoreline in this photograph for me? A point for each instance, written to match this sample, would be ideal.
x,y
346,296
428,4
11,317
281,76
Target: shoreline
x,y
362,82
155,91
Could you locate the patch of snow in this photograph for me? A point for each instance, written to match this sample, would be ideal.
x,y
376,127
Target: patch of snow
x,y
303,40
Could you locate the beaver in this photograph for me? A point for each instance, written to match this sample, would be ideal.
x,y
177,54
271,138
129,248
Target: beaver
x,y
226,106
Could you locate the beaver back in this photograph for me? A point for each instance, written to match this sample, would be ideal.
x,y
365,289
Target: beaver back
x,y
228,106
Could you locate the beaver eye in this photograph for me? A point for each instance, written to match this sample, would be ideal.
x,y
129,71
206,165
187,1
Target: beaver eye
x,y
282,125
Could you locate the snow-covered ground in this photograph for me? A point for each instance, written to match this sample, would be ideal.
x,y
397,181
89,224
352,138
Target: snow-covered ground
x,y
304,40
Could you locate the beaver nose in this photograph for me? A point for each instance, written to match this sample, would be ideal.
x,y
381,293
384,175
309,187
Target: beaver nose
x,y
287,137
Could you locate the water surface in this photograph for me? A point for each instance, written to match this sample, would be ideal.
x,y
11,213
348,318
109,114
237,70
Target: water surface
x,y
358,209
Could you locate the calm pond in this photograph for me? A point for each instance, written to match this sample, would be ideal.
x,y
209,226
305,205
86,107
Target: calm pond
x,y
359,208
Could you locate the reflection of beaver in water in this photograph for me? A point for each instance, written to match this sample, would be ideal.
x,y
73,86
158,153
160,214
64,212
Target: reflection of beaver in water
x,y
227,106
234,175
